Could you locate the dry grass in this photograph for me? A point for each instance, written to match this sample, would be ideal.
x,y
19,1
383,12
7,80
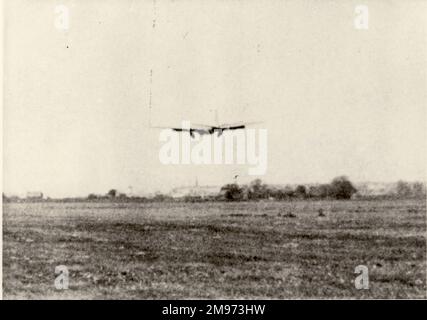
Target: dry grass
x,y
215,250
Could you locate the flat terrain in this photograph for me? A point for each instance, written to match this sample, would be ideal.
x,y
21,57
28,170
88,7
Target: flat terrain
x,y
215,250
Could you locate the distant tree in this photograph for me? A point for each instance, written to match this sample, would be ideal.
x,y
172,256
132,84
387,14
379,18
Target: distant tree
x,y
288,192
342,188
232,192
301,191
160,197
418,189
258,190
245,192
321,191
312,192
92,196
403,189
325,191
192,198
112,193
274,193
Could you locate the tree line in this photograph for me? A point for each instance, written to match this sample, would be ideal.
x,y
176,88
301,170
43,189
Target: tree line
x,y
339,188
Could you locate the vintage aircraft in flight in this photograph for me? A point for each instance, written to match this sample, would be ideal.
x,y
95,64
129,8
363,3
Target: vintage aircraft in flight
x,y
218,128
201,129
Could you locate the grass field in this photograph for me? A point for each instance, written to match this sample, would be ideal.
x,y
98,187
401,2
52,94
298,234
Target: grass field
x,y
215,250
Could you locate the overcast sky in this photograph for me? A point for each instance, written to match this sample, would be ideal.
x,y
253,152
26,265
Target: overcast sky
x,y
335,100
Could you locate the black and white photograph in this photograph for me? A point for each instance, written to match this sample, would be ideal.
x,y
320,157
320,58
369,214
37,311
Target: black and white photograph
x,y
214,150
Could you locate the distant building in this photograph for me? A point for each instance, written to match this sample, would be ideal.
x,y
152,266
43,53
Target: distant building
x,y
195,191
35,195
375,189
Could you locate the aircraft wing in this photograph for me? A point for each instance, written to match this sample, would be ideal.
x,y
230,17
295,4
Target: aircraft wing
x,y
238,125
242,126
203,125
194,127
176,129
